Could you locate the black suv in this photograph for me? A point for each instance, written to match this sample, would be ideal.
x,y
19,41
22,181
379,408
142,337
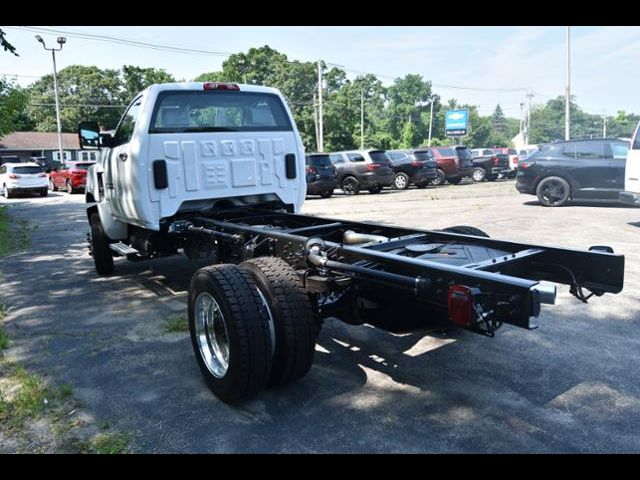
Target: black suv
x,y
362,169
416,167
321,175
575,169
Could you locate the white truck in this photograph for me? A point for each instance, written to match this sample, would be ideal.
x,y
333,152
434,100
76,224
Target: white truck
x,y
217,170
631,192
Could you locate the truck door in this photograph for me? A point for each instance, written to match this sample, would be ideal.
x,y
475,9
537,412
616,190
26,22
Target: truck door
x,y
632,169
618,159
118,184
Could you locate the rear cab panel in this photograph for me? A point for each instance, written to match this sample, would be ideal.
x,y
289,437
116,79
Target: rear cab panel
x,y
215,144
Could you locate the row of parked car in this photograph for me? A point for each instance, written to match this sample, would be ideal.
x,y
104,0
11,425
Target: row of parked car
x,y
41,175
373,170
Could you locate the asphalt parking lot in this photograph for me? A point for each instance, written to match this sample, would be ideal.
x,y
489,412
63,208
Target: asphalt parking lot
x,y
570,386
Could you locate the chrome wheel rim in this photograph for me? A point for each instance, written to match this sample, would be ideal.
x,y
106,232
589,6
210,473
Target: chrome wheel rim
x,y
478,175
401,181
272,328
211,335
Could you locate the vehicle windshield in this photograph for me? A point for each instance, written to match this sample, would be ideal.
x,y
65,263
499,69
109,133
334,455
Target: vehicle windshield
x,y
319,160
218,111
27,170
378,156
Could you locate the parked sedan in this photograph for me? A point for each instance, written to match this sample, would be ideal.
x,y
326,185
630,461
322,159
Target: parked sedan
x,y
321,175
575,169
415,167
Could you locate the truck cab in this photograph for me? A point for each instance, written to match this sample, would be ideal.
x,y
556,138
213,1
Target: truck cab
x,y
631,193
188,147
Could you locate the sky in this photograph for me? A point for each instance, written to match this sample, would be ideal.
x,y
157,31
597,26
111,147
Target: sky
x,y
494,64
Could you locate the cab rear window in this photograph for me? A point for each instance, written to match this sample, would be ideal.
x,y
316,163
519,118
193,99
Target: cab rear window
x,y
218,111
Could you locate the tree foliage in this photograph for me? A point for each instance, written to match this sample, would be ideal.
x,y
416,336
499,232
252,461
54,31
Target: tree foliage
x,y
6,46
13,102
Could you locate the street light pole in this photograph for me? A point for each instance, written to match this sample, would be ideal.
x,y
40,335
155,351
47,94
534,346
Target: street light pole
x,y
567,114
61,41
430,121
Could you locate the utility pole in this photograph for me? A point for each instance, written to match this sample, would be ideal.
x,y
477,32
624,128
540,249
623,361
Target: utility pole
x,y
567,113
61,41
430,121
320,129
529,97
315,120
521,117
604,125
362,119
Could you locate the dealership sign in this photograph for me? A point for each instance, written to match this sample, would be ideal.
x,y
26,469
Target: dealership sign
x,y
455,122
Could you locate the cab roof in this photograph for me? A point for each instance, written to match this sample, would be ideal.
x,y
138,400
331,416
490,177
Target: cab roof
x,y
199,86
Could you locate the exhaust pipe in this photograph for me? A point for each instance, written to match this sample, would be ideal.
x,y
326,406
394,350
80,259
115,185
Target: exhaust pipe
x,y
353,238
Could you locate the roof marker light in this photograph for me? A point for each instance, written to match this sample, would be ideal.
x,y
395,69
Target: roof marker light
x,y
221,86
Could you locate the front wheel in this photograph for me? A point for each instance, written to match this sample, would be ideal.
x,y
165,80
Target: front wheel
x,y
230,332
479,174
553,191
350,186
5,192
99,244
401,181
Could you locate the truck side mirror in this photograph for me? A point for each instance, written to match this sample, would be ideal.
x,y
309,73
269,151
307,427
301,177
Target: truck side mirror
x,y
89,136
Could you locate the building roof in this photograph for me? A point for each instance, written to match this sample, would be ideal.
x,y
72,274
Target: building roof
x,y
38,141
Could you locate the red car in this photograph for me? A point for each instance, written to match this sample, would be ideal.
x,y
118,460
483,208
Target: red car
x,y
72,177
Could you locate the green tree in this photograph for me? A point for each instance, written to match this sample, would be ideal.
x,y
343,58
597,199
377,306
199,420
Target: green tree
x,y
4,43
210,77
13,102
498,120
135,79
78,86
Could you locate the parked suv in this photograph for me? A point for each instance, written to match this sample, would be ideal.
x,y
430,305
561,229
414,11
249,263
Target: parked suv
x,y
575,169
73,177
362,169
449,168
321,175
416,167
22,178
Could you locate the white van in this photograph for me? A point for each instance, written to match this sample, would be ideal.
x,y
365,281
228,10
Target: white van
x,y
631,193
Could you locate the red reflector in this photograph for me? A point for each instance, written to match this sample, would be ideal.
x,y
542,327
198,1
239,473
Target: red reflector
x,y
374,166
461,305
515,159
13,175
496,161
220,86
311,170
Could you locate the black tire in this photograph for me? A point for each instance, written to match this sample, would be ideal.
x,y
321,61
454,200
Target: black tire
x,y
295,325
44,192
246,332
69,187
326,194
375,190
466,230
52,186
422,185
350,186
492,178
6,193
553,191
479,174
440,178
401,181
99,245
454,180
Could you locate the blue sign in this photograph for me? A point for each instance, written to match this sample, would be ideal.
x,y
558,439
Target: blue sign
x,y
455,122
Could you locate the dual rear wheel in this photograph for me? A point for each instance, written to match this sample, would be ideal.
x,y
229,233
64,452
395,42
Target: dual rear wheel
x,y
251,326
